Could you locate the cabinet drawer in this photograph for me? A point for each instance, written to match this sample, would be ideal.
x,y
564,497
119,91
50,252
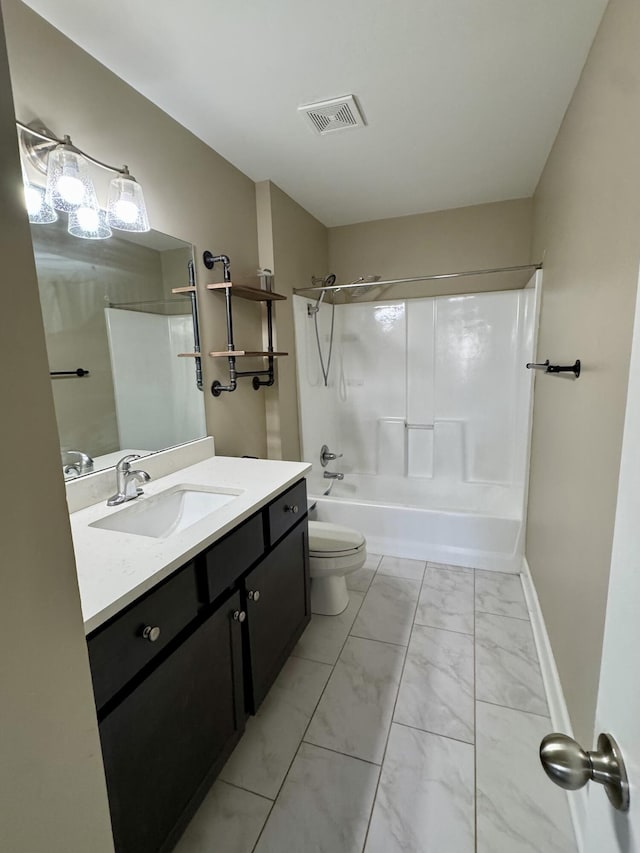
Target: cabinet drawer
x,y
230,557
287,510
119,650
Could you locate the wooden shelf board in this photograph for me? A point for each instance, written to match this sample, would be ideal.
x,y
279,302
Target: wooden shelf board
x,y
183,290
256,294
189,355
239,353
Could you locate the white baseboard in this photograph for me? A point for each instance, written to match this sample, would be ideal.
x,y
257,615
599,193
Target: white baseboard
x,y
555,696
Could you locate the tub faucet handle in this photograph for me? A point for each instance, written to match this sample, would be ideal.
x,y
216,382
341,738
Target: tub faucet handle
x,y
327,456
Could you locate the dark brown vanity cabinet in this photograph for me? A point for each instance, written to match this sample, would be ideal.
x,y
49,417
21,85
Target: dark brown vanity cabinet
x,y
177,672
168,739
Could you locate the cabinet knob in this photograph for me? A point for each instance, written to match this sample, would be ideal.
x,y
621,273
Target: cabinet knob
x,y
253,595
151,633
239,616
291,508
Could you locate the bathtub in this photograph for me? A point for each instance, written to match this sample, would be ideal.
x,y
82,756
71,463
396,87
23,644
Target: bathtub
x,y
466,524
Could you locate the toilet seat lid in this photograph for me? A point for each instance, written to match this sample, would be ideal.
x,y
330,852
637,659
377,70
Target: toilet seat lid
x,y
328,538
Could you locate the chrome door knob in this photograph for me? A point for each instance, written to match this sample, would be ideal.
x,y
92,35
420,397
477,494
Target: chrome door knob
x,y
291,508
253,595
151,633
239,616
570,766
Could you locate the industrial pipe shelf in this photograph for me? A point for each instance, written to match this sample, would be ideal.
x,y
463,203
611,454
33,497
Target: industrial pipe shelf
x,y
255,294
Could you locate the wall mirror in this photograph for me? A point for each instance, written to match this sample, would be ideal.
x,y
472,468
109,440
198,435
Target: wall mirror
x,y
108,309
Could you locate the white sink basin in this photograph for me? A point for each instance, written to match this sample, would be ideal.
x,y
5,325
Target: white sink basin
x,y
162,515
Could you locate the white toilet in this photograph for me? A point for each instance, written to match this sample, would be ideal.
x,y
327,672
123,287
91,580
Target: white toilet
x,y
334,552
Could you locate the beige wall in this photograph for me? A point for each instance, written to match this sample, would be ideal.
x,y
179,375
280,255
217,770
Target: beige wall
x,y
587,222
52,791
480,237
191,192
294,245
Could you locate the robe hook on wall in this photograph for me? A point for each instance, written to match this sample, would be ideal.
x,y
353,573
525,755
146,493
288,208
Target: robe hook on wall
x,y
557,368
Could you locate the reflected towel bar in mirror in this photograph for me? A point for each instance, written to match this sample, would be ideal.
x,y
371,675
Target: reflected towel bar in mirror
x,y
79,371
557,368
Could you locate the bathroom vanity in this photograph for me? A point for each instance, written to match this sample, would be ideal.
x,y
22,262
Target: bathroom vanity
x,y
198,625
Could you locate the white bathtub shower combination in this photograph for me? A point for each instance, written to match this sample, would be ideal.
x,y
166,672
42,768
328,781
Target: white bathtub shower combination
x,y
428,401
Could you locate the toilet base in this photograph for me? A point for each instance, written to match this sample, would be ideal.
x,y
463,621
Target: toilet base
x,y
329,596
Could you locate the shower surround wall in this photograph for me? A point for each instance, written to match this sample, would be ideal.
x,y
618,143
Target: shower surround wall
x,y
428,400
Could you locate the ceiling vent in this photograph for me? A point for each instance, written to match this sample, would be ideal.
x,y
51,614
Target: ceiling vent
x,y
337,114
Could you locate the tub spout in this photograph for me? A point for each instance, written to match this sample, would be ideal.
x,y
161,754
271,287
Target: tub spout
x,y
331,475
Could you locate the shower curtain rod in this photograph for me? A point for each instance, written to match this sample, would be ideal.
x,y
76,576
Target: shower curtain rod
x,y
357,284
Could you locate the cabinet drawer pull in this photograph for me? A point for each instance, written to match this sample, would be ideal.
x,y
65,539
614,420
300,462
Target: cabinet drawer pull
x,y
253,595
151,634
291,508
239,616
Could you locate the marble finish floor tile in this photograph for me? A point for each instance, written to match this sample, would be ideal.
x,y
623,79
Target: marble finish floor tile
x,y
387,610
507,668
446,599
355,711
437,686
425,801
399,567
324,636
372,561
501,594
229,820
518,810
264,754
361,579
324,805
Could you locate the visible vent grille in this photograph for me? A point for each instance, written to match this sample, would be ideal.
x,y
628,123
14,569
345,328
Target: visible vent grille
x,y
337,114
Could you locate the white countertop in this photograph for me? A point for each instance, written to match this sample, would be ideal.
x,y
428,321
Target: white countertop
x,y
116,568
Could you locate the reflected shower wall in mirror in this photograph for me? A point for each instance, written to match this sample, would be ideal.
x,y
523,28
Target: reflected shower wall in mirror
x,y
108,308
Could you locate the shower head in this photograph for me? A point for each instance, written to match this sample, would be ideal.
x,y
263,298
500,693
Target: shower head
x,y
327,281
366,279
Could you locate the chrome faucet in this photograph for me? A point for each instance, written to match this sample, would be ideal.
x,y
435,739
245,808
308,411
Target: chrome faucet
x,y
327,456
127,481
333,475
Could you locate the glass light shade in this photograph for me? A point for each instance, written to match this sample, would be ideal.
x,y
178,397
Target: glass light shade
x,y
68,183
89,223
40,213
126,208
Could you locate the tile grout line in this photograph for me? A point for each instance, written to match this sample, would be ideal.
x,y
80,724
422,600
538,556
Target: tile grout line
x,y
511,708
504,616
384,642
393,712
429,732
339,752
246,790
302,739
440,628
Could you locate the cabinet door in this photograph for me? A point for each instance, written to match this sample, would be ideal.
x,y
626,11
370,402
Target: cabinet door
x,y
166,739
278,609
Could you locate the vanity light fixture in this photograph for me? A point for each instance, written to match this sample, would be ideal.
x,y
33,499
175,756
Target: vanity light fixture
x,y
70,188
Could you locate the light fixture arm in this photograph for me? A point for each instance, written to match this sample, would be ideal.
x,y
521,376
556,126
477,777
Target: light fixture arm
x,y
53,140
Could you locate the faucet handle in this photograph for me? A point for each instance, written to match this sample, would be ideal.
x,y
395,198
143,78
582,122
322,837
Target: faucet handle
x,y
125,463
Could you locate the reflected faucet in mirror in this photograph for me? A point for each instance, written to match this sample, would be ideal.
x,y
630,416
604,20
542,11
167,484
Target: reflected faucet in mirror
x,y
75,463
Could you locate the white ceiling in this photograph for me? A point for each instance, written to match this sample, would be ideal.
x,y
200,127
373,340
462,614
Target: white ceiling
x,y
463,98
